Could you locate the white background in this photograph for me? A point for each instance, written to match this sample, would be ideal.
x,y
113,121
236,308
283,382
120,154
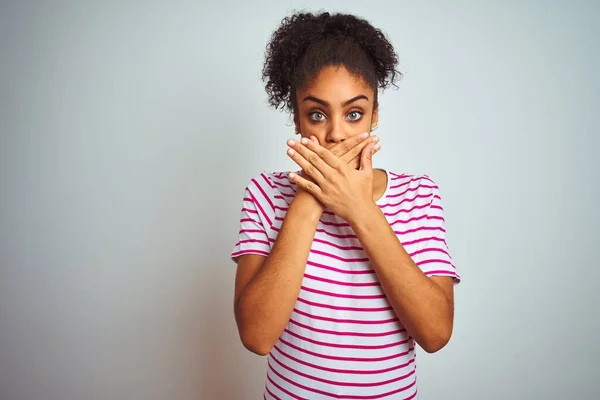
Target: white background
x,y
129,130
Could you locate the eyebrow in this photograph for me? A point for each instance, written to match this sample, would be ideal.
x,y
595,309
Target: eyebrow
x,y
344,104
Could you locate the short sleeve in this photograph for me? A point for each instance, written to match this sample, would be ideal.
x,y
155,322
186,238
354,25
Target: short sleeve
x,y
433,256
252,236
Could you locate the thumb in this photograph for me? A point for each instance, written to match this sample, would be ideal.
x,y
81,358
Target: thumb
x,y
366,158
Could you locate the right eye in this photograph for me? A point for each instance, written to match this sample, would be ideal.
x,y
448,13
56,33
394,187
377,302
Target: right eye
x,y
317,116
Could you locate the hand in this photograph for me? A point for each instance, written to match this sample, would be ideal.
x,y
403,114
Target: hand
x,y
335,183
348,151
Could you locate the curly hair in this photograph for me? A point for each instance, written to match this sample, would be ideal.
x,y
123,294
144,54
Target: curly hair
x,y
305,43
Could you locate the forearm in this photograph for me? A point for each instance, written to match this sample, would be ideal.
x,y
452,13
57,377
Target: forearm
x,y
266,304
420,304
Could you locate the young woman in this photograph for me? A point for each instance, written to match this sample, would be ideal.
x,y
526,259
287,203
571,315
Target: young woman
x,y
341,268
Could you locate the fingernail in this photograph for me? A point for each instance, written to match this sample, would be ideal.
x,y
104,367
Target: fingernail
x,y
290,152
291,142
365,135
304,141
292,175
375,139
377,147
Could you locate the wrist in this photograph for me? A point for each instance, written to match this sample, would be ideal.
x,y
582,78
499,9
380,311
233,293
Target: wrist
x,y
364,216
305,205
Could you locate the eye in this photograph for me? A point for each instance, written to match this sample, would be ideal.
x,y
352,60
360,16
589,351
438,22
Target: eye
x,y
355,115
317,116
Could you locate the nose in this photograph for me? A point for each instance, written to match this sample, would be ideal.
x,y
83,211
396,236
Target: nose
x,y
336,133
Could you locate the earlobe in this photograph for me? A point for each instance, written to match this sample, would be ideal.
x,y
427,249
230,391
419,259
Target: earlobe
x,y
375,120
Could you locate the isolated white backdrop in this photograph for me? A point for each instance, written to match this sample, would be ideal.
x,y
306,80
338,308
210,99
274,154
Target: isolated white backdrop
x,y
129,130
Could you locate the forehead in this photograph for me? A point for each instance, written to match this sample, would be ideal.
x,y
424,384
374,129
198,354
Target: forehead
x,y
336,82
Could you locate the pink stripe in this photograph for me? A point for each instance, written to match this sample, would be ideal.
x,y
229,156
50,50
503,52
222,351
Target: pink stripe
x,y
435,261
349,346
267,181
266,197
419,196
347,359
404,183
408,243
413,189
281,195
250,211
252,231
337,246
406,221
336,235
252,241
270,393
285,185
345,321
359,309
436,217
342,271
339,333
416,207
250,220
427,250
337,396
353,284
336,224
442,272
284,390
344,296
421,228
260,208
338,383
344,371
396,176
249,251
324,253
247,199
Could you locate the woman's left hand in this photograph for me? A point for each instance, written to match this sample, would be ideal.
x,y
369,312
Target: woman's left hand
x,y
340,187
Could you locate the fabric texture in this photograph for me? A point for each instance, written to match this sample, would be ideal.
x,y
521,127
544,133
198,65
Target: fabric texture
x,y
343,339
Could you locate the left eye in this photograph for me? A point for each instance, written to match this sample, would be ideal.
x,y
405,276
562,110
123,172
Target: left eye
x,y
354,115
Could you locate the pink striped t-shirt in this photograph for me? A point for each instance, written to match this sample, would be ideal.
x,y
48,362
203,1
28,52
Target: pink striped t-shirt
x,y
343,340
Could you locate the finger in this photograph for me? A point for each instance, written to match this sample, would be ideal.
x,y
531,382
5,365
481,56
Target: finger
x,y
297,152
366,160
324,156
314,139
307,185
343,147
357,150
356,160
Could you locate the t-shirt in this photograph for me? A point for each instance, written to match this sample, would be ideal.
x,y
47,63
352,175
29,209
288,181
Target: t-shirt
x,y
343,340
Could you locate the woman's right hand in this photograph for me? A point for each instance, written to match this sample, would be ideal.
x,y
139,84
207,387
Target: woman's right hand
x,y
348,151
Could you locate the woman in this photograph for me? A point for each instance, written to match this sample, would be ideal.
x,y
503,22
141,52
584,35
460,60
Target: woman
x,y
341,268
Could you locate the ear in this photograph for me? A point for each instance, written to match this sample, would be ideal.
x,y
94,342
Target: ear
x,y
375,117
297,123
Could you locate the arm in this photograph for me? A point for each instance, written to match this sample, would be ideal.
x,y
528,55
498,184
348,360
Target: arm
x,y
266,289
425,306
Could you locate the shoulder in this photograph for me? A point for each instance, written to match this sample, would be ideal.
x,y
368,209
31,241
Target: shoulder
x,y
270,182
404,183
272,187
